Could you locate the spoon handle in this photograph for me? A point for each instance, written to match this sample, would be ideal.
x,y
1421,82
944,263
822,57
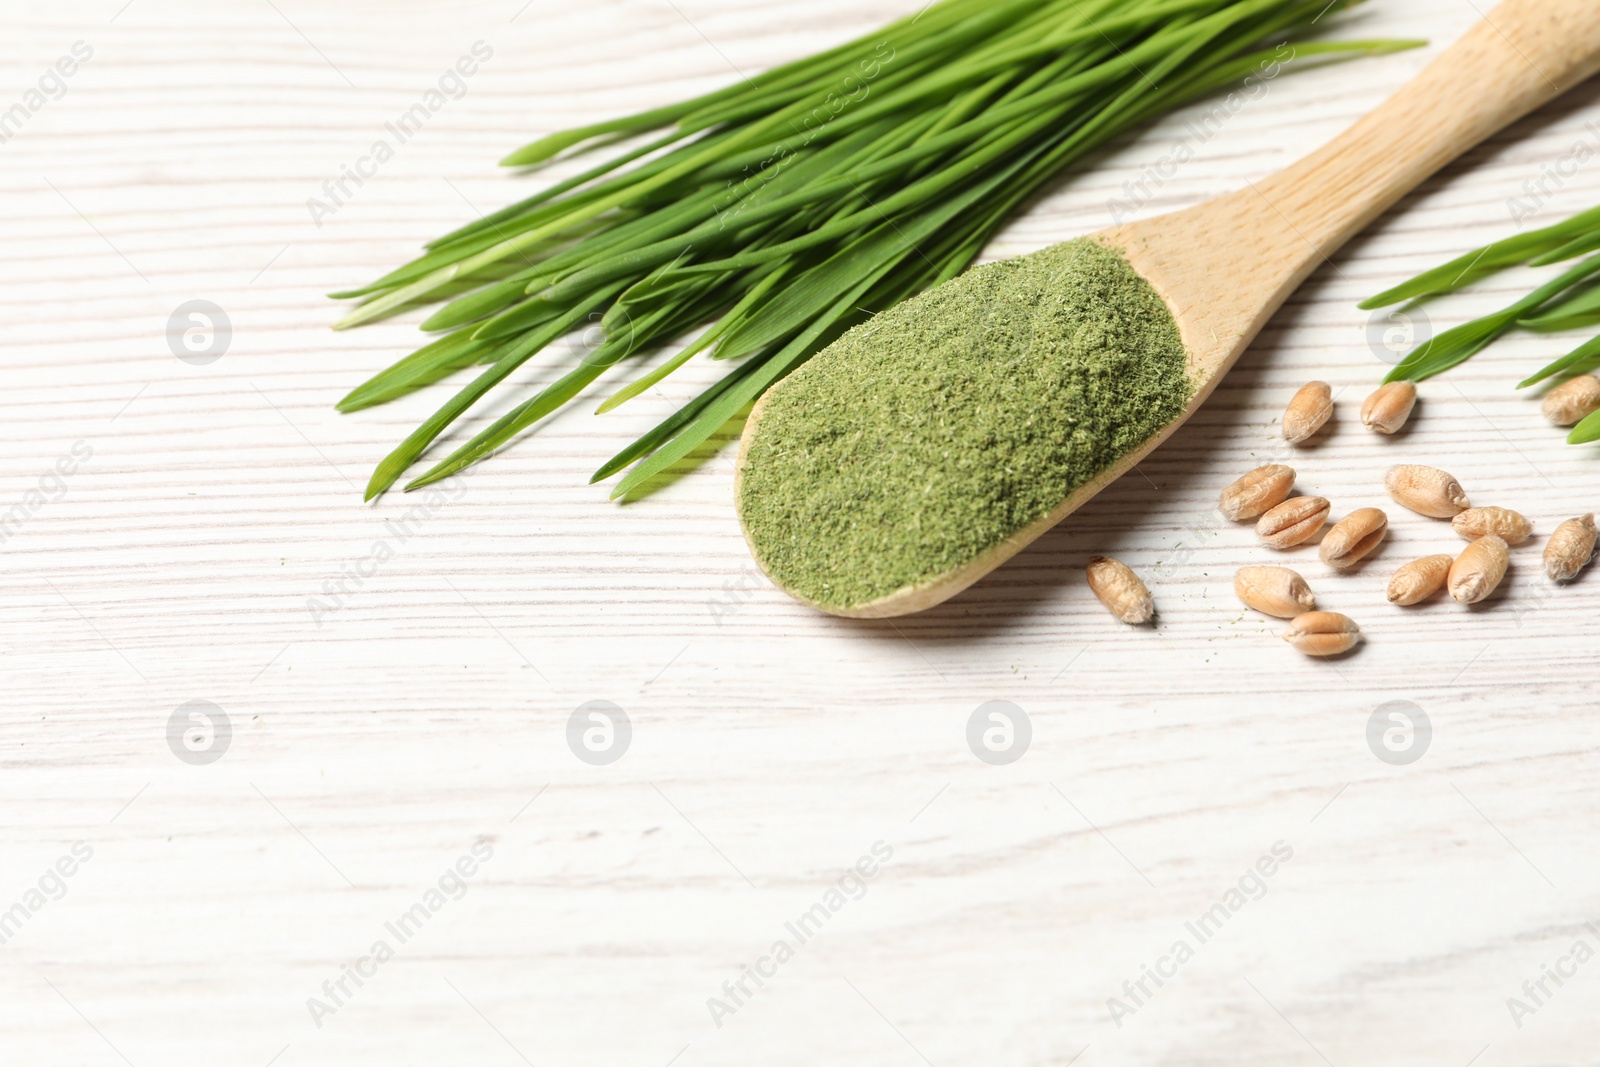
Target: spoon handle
x,y
1522,54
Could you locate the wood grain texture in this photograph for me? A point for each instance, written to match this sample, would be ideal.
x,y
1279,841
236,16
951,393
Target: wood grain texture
x,y
771,746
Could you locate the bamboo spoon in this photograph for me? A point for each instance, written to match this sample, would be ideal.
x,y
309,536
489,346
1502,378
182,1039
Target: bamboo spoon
x,y
1226,266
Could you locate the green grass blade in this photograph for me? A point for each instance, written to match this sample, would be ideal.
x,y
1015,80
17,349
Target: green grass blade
x,y
475,305
520,318
746,388
524,206
548,400
512,423
423,367
1574,311
763,284
406,453
640,384
1457,345
1477,264
1451,348
1581,245
1585,357
552,145
1586,431
676,422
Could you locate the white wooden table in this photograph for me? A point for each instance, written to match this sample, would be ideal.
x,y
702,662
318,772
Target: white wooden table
x,y
371,748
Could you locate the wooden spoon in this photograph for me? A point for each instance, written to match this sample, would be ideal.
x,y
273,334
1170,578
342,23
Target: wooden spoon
x,y
1226,266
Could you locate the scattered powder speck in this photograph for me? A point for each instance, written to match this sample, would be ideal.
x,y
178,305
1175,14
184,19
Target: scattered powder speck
x,y
932,432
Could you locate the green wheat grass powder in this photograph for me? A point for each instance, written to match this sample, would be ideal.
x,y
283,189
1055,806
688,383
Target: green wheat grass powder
x,y
938,428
